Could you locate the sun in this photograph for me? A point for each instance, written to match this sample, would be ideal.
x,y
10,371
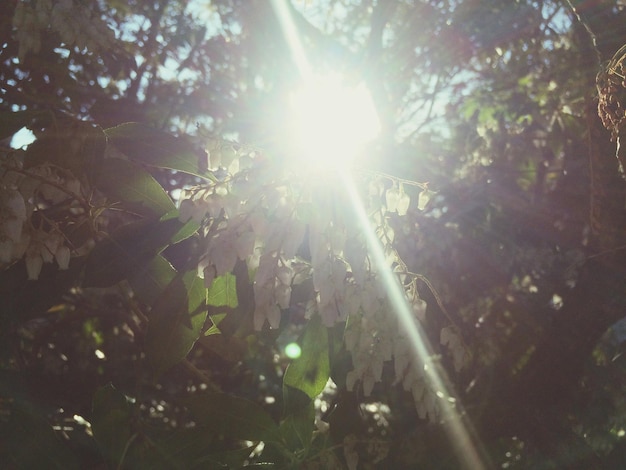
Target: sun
x,y
331,122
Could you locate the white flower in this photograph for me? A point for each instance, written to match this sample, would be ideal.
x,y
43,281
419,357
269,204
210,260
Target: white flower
x,y
283,295
186,210
224,257
13,229
6,249
15,203
392,197
209,276
62,256
34,263
403,203
50,246
293,236
244,246
284,274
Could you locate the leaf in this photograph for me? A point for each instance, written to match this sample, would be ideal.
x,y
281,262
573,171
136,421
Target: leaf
x,y
196,447
13,121
176,321
215,323
29,442
310,372
153,147
27,438
149,283
134,187
297,428
235,458
223,292
186,230
233,417
111,422
128,250
22,299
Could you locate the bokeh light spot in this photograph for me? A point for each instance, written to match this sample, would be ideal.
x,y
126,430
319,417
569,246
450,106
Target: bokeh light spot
x,y
293,351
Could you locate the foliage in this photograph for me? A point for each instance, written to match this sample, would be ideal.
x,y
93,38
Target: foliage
x,y
153,273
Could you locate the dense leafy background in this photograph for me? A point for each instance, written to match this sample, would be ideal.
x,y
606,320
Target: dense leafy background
x,y
113,363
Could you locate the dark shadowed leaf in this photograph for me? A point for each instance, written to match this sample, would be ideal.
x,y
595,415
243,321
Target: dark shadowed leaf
x,y
176,320
297,427
233,416
133,187
111,422
128,250
150,146
149,283
30,442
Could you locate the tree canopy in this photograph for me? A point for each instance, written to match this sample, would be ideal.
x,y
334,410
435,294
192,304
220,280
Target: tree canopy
x,y
186,284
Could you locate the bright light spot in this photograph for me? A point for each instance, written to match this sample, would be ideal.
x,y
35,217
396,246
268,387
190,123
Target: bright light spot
x,y
331,121
556,302
82,421
22,138
99,354
293,351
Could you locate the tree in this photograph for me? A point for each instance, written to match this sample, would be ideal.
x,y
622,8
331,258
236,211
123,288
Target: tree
x,y
177,291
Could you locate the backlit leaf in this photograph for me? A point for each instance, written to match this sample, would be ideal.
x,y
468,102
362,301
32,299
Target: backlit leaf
x,y
128,250
150,146
310,372
148,283
223,291
134,187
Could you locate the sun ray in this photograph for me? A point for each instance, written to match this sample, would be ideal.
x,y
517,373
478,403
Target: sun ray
x,y
337,135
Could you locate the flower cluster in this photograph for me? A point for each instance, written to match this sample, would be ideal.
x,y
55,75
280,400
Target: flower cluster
x,y
287,229
24,194
246,220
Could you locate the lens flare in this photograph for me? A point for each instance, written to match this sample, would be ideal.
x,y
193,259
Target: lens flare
x,y
328,126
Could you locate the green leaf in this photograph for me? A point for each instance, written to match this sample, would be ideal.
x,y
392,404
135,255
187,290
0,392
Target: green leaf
x,y
176,321
111,422
234,417
215,324
223,292
297,428
304,379
177,449
128,250
150,146
310,372
186,230
149,283
227,459
29,441
134,187
13,121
